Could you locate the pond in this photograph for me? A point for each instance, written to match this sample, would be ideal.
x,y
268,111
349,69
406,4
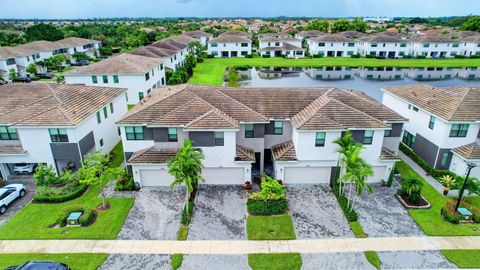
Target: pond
x,y
368,80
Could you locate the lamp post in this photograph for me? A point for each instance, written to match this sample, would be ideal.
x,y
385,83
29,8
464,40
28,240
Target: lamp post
x,y
470,166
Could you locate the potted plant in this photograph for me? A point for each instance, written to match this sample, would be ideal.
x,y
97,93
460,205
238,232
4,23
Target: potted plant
x,y
447,181
247,185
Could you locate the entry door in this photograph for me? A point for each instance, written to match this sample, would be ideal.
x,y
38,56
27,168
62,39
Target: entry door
x,y
391,55
224,53
233,53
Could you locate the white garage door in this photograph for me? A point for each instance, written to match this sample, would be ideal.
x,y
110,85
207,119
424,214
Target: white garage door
x,y
379,174
155,178
307,175
223,176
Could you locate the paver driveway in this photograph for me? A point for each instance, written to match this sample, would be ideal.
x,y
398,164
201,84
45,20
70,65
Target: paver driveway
x,y
381,214
316,214
19,203
155,215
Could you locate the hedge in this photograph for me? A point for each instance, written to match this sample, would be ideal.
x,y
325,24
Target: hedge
x,y
448,211
61,198
84,220
343,202
266,207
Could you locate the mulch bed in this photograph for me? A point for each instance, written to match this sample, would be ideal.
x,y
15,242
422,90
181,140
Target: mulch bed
x,y
102,208
423,204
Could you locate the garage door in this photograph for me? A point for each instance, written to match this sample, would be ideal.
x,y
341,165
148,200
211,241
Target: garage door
x,y
379,174
307,175
223,176
155,178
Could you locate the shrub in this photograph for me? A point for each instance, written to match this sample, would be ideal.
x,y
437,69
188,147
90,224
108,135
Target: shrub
x,y
187,217
2,182
459,56
449,214
125,183
45,175
407,56
262,206
248,56
390,178
266,56
417,159
421,57
355,55
440,173
84,220
350,214
58,198
475,56
412,188
370,56
317,55
211,56
200,60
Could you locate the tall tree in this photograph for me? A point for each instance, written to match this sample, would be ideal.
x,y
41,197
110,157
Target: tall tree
x,y
345,144
340,25
316,24
43,31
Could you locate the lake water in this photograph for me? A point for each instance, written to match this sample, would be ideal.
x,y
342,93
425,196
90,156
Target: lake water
x,y
368,80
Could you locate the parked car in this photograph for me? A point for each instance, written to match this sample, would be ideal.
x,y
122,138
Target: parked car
x,y
83,62
2,81
24,79
47,75
40,265
19,168
10,193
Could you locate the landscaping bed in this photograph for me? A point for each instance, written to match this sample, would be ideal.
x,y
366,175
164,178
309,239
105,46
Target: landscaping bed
x,y
422,204
77,261
58,195
282,261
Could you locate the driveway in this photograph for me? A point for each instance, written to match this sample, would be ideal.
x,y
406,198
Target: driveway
x,y
316,214
381,214
155,215
19,203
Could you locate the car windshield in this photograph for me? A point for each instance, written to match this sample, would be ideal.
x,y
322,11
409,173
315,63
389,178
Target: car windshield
x,y
21,164
43,266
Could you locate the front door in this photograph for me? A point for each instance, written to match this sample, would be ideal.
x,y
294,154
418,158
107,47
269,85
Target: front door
x,y
278,53
224,53
233,54
391,55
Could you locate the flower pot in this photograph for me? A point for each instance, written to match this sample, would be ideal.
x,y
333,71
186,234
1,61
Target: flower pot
x,y
445,191
247,185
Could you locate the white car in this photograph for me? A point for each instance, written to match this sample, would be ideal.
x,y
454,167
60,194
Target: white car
x,y
8,194
19,168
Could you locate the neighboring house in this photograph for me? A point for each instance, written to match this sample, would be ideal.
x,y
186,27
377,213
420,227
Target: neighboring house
x,y
471,46
281,46
435,46
384,46
171,56
229,46
308,34
180,51
332,46
351,34
274,35
236,33
471,73
80,45
139,74
286,132
431,73
330,73
202,36
57,124
444,122
380,73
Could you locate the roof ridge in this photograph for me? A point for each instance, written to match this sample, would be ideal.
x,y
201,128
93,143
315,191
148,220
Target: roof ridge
x,y
363,113
468,89
37,114
304,115
59,103
215,111
176,109
240,103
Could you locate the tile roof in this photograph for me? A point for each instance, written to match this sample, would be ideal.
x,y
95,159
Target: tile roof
x,y
280,39
382,38
198,34
469,151
311,33
284,47
331,38
183,39
75,41
152,51
449,103
119,64
386,154
235,33
433,38
152,155
230,38
52,104
169,44
197,106
11,149
244,154
284,151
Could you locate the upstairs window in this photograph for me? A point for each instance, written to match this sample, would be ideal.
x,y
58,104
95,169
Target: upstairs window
x,y
368,137
219,139
105,112
99,118
278,128
115,78
321,44
134,133
388,133
94,79
214,44
248,130
141,95
58,134
10,61
8,133
244,44
105,78
408,139
459,130
172,135
320,139
111,107
147,76
431,124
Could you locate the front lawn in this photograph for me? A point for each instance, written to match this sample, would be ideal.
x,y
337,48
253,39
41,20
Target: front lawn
x,y
463,258
287,261
75,261
270,227
430,220
33,221
211,71
118,152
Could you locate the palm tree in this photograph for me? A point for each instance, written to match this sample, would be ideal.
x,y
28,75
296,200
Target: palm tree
x,y
362,172
344,144
186,168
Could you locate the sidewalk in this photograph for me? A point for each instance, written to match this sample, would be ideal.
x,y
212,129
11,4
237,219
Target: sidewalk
x,y
241,246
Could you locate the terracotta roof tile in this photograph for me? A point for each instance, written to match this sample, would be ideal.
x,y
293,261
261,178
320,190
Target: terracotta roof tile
x,y
11,149
230,38
469,151
284,152
213,119
244,154
152,155
386,154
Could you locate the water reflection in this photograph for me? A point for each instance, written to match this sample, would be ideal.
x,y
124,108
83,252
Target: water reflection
x,y
367,79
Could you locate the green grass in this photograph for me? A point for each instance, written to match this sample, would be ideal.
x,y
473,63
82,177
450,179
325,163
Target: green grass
x,y
430,220
270,227
283,261
33,221
130,106
464,258
211,71
75,261
118,151
373,258
182,233
176,260
357,229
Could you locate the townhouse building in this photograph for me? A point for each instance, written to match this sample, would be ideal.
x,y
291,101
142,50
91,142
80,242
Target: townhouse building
x,y
471,45
332,46
57,124
435,46
278,46
444,123
330,73
308,34
236,33
140,75
380,73
274,35
383,46
204,37
288,133
230,46
431,73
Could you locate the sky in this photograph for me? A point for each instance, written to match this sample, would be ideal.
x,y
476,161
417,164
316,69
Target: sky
x,y
73,9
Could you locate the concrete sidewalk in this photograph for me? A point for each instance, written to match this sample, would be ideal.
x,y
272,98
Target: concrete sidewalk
x,y
240,246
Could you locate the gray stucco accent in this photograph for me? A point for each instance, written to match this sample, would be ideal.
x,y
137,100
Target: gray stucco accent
x,y
478,135
147,134
160,134
396,130
439,166
270,128
128,155
86,143
333,173
67,152
425,149
258,130
202,138
358,135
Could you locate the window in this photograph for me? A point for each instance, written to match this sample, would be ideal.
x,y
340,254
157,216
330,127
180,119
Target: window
x,y
105,78
278,128
320,139
140,95
455,45
111,107
119,131
388,133
115,78
368,137
172,135
10,61
134,133
431,124
58,134
147,76
101,142
374,45
321,44
248,130
8,133
219,141
94,79
426,45
153,72
415,109
214,44
408,139
99,118
351,44
444,159
244,45
403,45
459,130
105,112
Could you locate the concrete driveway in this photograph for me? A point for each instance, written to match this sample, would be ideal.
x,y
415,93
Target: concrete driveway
x,y
19,203
316,214
381,214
